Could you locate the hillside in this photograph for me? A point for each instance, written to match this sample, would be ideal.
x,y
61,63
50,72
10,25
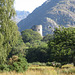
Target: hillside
x,y
51,14
20,15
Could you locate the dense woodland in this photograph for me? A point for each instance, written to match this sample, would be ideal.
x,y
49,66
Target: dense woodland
x,y
17,50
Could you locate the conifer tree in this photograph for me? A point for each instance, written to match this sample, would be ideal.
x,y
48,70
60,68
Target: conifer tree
x,y
8,29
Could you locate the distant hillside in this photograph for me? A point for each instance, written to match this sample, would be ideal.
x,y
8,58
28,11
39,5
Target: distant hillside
x,y
51,14
21,15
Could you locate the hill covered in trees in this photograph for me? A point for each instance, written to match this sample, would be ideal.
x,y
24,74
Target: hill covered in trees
x,y
51,14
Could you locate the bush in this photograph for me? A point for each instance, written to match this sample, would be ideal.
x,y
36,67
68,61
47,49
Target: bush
x,y
49,64
58,65
19,64
38,64
54,64
4,67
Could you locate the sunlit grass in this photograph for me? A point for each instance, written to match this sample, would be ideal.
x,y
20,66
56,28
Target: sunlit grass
x,y
67,66
68,69
41,70
45,70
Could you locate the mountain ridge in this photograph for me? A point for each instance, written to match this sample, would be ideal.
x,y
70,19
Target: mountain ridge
x,y
20,15
52,13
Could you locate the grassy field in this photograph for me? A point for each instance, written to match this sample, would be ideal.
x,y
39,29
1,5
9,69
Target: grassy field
x,y
45,70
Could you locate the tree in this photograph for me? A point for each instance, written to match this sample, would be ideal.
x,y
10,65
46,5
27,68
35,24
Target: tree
x,y
47,38
62,46
37,54
8,29
29,35
19,49
1,47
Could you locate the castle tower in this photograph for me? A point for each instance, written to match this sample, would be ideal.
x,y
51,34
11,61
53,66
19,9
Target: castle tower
x,y
37,28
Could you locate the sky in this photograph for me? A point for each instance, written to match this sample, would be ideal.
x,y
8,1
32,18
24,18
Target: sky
x,y
27,5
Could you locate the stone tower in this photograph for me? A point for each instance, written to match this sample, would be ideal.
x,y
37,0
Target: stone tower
x,y
37,28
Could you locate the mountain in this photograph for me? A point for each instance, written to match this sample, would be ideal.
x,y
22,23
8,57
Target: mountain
x,y
20,15
51,14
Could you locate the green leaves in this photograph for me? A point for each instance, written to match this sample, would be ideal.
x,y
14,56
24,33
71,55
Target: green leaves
x,y
29,35
1,39
8,30
63,43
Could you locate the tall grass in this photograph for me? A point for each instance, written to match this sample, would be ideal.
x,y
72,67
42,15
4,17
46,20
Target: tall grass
x,y
44,70
68,69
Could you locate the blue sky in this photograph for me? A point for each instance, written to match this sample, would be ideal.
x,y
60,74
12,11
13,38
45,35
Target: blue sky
x,y
27,5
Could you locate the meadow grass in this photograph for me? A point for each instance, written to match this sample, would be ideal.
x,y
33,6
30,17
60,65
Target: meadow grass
x,y
45,70
68,69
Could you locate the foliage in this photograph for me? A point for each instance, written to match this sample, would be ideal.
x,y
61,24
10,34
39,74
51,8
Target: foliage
x,y
4,67
47,38
10,41
61,48
38,64
18,64
29,35
8,29
19,49
36,43
54,64
37,54
49,64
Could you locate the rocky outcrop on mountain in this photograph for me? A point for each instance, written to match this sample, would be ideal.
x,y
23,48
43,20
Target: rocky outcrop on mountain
x,y
51,14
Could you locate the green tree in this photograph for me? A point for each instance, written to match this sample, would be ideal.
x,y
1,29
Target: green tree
x,y
37,54
19,49
29,35
62,46
8,29
35,43
47,38
1,47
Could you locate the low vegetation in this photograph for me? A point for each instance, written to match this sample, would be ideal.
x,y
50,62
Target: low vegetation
x,y
45,70
18,64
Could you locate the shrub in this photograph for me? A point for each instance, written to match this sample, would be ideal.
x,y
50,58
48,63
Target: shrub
x,y
58,65
18,64
49,64
54,64
38,64
42,64
4,67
